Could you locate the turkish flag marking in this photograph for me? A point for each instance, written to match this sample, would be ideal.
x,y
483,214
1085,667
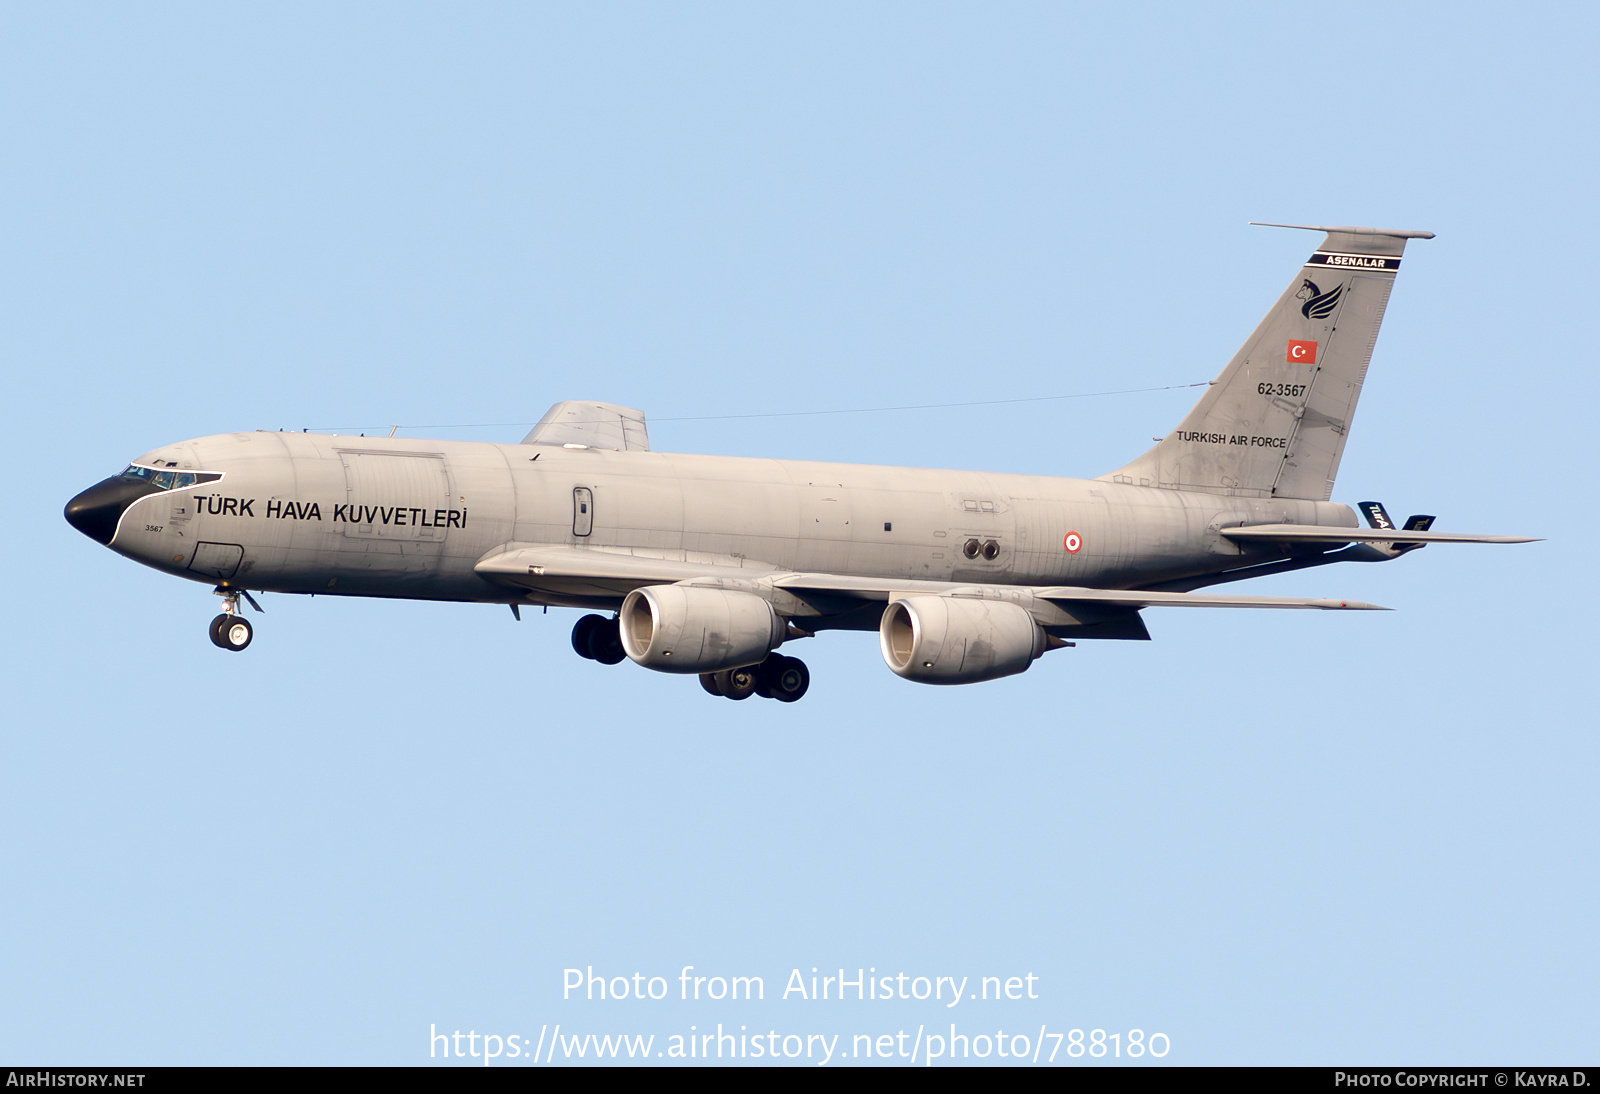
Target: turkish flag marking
x,y
1302,353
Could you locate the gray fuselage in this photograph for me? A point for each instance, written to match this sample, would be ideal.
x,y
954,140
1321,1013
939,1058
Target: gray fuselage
x,y
361,516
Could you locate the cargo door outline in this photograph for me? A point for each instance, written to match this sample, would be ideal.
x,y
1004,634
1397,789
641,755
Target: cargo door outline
x,y
393,496
218,560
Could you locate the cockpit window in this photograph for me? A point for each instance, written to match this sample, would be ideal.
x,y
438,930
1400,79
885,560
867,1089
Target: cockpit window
x,y
169,479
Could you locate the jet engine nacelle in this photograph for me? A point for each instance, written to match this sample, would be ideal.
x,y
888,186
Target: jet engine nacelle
x,y
956,640
676,628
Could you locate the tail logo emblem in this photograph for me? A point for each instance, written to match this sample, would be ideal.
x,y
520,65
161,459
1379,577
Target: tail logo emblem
x,y
1318,304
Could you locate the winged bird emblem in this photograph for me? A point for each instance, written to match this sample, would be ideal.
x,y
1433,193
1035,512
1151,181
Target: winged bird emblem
x,y
1318,304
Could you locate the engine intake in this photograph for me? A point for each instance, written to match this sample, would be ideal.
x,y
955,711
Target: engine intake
x,y
957,640
677,628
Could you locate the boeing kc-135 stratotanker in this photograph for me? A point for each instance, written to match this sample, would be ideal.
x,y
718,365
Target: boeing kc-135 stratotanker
x,y
708,564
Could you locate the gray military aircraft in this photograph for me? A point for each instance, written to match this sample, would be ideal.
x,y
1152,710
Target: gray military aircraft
x,y
707,564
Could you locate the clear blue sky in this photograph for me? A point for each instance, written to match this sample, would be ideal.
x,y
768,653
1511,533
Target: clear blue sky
x,y
1274,837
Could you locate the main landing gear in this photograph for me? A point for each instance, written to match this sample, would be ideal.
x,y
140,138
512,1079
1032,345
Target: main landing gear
x,y
230,630
778,677
598,639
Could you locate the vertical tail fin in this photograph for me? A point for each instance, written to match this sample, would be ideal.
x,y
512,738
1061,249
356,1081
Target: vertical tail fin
x,y
1274,423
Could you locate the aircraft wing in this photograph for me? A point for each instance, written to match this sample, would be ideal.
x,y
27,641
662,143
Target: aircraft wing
x,y
1301,533
591,425
888,588
587,571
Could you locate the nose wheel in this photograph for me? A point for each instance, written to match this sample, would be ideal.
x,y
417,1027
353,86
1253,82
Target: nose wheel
x,y
230,630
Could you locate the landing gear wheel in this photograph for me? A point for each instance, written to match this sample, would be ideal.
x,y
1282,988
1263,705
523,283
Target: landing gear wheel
x,y
708,680
231,632
790,680
736,684
605,642
582,631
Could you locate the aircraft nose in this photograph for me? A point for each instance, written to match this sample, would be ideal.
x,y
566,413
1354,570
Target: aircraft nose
x,y
96,511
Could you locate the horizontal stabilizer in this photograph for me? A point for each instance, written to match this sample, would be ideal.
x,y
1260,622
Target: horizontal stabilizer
x,y
1300,533
1398,233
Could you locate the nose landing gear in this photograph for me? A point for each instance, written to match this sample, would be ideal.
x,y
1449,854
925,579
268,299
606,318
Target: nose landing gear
x,y
230,630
